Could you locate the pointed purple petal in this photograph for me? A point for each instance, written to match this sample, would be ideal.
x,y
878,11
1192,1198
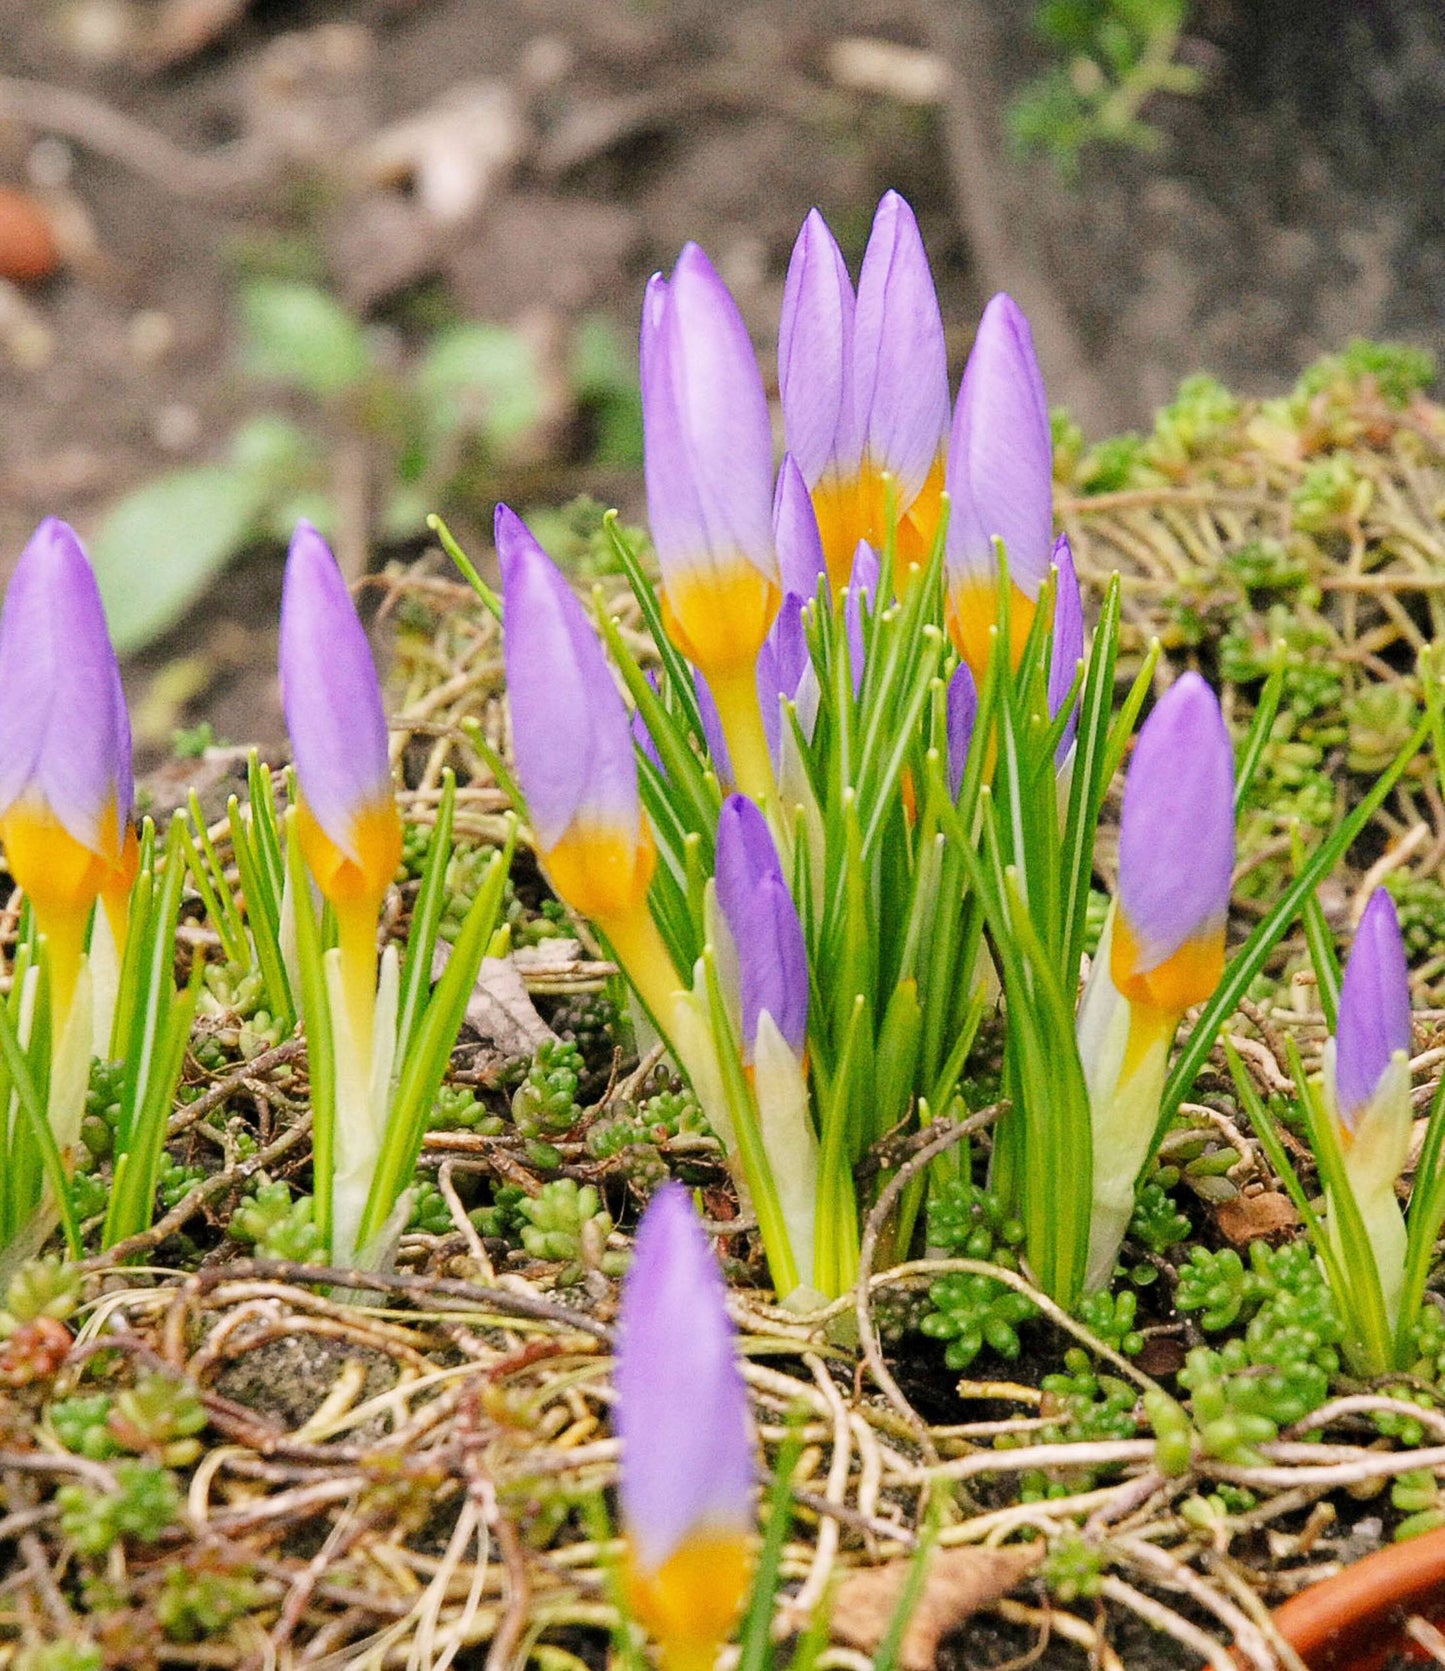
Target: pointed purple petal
x,y
763,921
815,356
707,439
1374,1017
1176,836
999,475
862,585
960,713
1068,642
712,731
640,734
60,725
782,662
330,691
899,356
795,532
570,732
681,1410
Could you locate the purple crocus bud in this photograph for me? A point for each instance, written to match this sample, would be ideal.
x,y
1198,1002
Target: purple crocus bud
x,y
864,386
960,714
1068,642
784,663
1176,853
65,771
714,742
900,359
681,1413
708,455
713,739
350,828
640,734
1000,484
795,533
1374,1013
815,357
571,738
760,916
862,588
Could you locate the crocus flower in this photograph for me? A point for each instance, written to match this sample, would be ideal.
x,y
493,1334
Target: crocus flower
x,y
1068,645
864,384
347,822
714,743
862,589
65,769
960,714
687,1457
1374,1014
784,667
707,446
763,922
640,733
1367,1086
762,967
1176,853
1000,485
1162,949
714,738
350,827
795,533
573,747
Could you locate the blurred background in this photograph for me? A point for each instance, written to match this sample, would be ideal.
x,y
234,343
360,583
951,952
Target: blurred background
x,y
364,259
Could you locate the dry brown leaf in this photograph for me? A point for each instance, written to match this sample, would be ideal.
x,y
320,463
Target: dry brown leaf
x,y
1248,1217
499,1008
958,1583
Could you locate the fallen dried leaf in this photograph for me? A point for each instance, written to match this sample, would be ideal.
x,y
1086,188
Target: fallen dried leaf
x,y
1248,1217
499,1008
958,1583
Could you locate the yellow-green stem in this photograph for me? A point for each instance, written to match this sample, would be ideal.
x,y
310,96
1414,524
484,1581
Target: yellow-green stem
x,y
64,932
643,957
356,941
736,695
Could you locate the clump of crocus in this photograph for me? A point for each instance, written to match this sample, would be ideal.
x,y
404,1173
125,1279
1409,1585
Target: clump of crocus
x,y
1000,486
350,834
864,383
687,1455
1162,949
572,743
708,455
65,761
1367,1087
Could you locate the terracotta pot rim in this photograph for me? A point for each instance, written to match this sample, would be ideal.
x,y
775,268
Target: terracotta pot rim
x,y
1333,1614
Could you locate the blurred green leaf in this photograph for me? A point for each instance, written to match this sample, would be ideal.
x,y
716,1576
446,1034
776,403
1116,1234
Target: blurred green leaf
x,y
312,504
604,375
273,447
483,378
299,335
162,545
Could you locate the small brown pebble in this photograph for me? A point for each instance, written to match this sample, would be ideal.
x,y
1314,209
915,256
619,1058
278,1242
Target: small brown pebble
x,y
29,252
